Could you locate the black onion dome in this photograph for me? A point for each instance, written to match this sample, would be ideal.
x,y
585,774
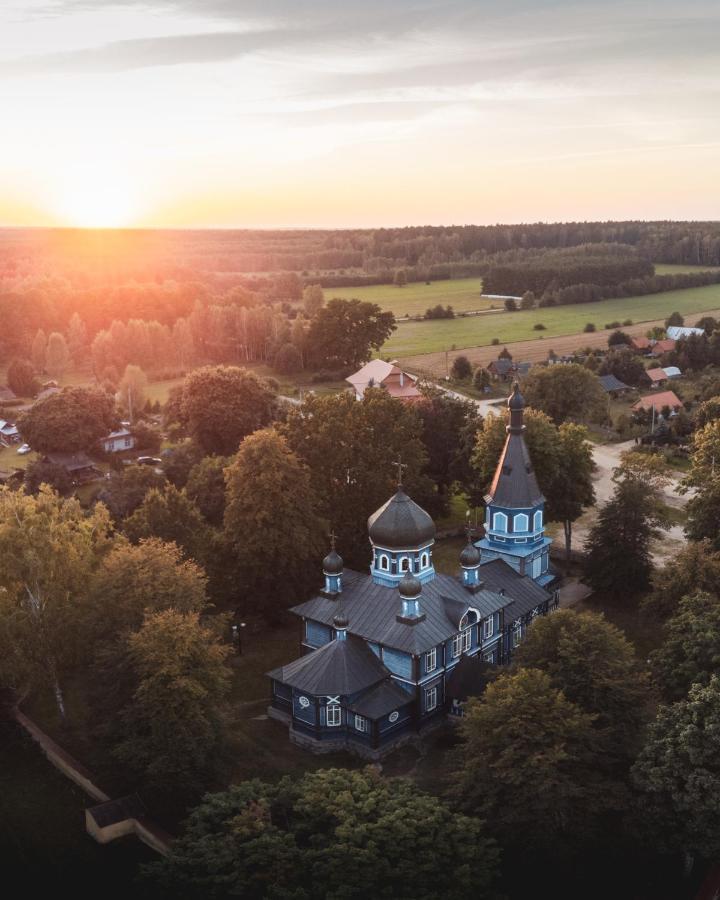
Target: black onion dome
x,y
333,563
409,586
470,555
400,524
516,399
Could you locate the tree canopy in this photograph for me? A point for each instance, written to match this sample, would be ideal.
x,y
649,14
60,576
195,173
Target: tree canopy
x,y
71,420
565,393
344,333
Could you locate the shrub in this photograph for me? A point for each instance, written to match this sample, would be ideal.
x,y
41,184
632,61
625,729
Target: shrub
x,y
610,325
461,368
510,305
495,342
589,328
539,327
628,322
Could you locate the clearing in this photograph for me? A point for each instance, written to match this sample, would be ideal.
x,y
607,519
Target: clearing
x,y
462,294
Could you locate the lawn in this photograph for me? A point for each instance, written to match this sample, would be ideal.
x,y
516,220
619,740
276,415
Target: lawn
x,y
413,299
10,459
414,338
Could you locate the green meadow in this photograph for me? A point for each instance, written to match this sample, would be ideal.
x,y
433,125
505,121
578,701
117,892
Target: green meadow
x,y
413,338
413,299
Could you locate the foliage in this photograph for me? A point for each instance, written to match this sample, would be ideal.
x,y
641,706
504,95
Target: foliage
x,y
619,338
510,304
461,368
125,490
21,378
170,515
41,472
400,279
351,448
331,833
703,514
481,378
708,411
624,365
594,665
206,487
288,360
529,763
179,461
565,393
449,426
223,404
696,567
678,773
674,319
48,550
57,355
272,520
313,299
345,332
37,350
172,729
147,438
71,420
131,390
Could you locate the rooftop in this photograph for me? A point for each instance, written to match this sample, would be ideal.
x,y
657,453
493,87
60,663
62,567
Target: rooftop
x,y
339,667
663,398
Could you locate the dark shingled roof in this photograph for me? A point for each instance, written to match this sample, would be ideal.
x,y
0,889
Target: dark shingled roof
x,y
381,700
515,485
73,462
610,383
372,610
340,667
524,593
115,811
400,524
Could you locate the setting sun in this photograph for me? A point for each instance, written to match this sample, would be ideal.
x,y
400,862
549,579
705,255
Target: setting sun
x,y
95,198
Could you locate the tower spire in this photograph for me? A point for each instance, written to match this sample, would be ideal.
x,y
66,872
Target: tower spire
x,y
516,405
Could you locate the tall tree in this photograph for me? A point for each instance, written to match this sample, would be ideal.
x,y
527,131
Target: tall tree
x,y
272,520
313,299
49,548
678,773
131,391
594,665
57,356
571,490
449,425
695,567
71,420
565,393
206,487
528,763
345,332
169,514
37,352
21,378
332,833
77,339
223,404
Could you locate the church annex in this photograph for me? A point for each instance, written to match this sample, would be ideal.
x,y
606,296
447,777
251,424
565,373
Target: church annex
x,y
380,650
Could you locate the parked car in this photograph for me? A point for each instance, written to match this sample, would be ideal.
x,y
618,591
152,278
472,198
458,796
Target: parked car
x,y
148,461
23,449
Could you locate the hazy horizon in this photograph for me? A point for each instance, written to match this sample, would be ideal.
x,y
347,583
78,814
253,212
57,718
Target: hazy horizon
x,y
219,114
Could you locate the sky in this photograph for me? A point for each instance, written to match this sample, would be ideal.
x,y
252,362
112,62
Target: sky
x,y
262,113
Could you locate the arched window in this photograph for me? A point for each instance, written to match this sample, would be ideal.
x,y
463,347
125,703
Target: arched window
x,y
537,520
520,522
500,522
424,561
384,563
404,564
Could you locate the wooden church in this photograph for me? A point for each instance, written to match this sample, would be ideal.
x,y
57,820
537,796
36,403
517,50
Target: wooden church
x,y
382,651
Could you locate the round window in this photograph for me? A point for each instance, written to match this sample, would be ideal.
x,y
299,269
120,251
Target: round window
x,y
304,702
394,716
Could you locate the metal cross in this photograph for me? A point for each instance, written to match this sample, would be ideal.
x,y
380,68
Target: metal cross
x,y
400,466
468,527
332,537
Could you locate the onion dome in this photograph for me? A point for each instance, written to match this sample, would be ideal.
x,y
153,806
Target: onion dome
x,y
409,586
340,622
400,524
333,563
470,556
516,399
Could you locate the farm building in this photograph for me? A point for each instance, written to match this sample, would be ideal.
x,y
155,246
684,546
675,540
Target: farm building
x,y
612,385
654,377
676,332
387,375
658,401
660,347
672,372
380,649
641,344
79,467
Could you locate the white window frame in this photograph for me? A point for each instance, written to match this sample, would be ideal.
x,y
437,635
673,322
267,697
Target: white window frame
x,y
424,561
456,646
488,627
361,724
496,523
431,660
336,710
517,635
466,640
489,657
431,698
537,522
384,563
521,517
404,564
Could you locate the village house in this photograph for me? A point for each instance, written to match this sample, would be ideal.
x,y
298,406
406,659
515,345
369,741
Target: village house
x,y
659,401
612,385
655,378
641,345
378,373
117,441
660,347
379,650
78,466
503,369
9,433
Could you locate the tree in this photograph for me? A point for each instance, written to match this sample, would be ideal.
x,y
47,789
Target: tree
x,y
179,462
71,420
678,773
708,324
504,354
49,548
400,279
206,487
288,360
223,404
529,763
704,455
131,390
170,515
313,299
345,332
618,338
461,369
481,379
134,580
57,355
571,490
172,729
21,378
147,438
353,476
624,365
618,558
696,567
565,393
77,341
37,352
272,519
528,300
449,426
41,472
690,653
703,514
510,304
594,665
708,411
331,833
674,319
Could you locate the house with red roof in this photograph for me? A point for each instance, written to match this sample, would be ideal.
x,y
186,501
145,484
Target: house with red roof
x,y
664,398
387,375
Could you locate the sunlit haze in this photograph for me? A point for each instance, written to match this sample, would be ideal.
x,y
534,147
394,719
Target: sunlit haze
x,y
322,112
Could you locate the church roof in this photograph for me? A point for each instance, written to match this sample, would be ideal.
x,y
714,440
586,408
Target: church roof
x,y
515,485
372,609
384,698
340,667
523,593
400,524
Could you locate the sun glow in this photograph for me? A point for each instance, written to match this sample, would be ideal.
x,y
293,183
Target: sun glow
x,y
94,197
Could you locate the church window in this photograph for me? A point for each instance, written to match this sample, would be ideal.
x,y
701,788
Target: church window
x,y
517,634
489,657
521,522
431,660
488,627
456,644
404,564
537,520
361,723
424,561
384,563
334,715
466,640
500,522
430,699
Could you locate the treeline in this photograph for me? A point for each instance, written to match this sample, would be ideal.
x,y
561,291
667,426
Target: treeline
x,y
655,284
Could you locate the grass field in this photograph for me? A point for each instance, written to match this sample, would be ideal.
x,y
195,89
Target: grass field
x,y
414,338
673,269
413,299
